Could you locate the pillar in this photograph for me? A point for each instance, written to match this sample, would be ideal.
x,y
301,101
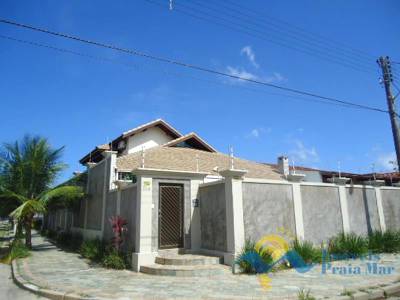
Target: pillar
x,y
234,213
143,254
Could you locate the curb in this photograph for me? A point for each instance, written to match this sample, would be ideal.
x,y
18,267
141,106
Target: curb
x,y
373,293
51,294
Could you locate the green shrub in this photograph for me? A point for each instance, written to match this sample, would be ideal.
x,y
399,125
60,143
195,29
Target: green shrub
x,y
18,250
93,249
37,224
76,242
242,259
113,260
64,238
345,246
307,251
384,242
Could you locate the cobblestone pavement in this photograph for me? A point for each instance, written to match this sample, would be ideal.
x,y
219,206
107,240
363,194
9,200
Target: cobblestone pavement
x,y
52,268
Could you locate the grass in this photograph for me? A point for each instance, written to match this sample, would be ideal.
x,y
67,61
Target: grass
x,y
347,293
18,250
305,295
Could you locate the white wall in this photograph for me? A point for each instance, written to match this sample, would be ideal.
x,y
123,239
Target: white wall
x,y
150,138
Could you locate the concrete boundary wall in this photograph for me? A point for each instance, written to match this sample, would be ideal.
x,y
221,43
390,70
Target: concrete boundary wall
x,y
213,216
326,209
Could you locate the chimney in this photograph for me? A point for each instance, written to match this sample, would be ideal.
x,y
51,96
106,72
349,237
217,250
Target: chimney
x,y
283,165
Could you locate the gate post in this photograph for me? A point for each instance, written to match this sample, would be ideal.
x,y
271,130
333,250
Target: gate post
x,y
143,254
234,213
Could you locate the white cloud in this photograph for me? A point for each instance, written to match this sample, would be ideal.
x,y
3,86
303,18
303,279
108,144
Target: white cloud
x,y
248,51
384,161
303,154
239,72
275,77
255,133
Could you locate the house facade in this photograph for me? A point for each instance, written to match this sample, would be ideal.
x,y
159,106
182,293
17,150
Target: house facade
x,y
178,192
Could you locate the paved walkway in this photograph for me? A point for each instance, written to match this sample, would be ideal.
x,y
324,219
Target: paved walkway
x,y
50,268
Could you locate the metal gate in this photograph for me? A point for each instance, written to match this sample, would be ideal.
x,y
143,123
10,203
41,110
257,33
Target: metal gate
x,y
170,216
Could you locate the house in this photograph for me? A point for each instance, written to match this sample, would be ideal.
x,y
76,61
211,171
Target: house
x,y
176,191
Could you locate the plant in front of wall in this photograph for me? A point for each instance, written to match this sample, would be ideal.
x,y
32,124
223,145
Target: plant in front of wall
x,y
93,249
384,242
307,251
118,225
345,246
113,260
253,260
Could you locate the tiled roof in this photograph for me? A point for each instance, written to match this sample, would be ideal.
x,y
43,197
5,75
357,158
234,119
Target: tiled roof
x,y
188,137
184,159
158,122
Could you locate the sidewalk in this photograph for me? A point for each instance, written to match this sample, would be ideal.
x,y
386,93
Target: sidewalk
x,y
55,272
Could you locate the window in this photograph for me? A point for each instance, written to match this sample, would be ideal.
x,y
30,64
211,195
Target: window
x,y
126,176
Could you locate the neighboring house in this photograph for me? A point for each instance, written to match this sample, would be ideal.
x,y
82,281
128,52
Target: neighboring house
x,y
178,191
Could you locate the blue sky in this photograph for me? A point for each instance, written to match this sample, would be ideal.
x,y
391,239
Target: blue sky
x,y
81,102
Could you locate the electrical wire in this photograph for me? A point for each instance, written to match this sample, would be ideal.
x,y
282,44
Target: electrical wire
x,y
136,67
278,31
190,66
245,29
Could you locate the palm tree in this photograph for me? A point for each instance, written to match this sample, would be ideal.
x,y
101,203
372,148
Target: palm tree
x,y
27,170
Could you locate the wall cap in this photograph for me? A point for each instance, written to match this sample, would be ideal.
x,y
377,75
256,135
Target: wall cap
x,y
158,172
339,180
238,174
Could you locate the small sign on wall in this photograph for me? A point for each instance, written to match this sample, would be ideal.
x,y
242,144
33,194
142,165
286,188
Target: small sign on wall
x,y
196,202
146,185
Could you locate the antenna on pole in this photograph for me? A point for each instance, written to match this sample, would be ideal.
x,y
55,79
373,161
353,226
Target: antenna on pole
x,y
373,170
339,170
294,168
143,157
232,158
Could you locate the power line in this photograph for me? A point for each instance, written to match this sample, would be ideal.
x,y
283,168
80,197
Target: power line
x,y
265,36
277,30
137,67
298,29
189,66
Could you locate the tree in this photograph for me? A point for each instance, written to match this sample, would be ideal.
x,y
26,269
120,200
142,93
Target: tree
x,y
27,170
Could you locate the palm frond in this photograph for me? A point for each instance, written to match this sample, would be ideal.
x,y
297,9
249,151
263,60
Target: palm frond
x,y
29,207
62,197
6,193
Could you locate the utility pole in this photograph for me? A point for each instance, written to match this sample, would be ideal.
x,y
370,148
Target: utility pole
x,y
384,63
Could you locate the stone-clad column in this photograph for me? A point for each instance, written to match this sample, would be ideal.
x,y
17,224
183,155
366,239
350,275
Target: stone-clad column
x,y
234,213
